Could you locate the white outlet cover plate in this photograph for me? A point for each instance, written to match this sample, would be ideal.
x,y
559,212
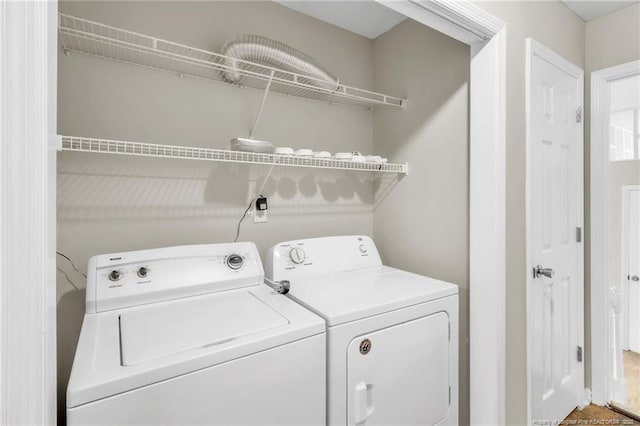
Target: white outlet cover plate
x,y
259,216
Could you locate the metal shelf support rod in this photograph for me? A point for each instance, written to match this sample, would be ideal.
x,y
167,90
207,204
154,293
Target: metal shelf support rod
x,y
264,100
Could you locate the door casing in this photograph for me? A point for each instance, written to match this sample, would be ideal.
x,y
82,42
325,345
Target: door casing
x,y
460,19
600,352
626,190
487,37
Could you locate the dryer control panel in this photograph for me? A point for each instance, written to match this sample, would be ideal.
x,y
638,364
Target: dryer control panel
x,y
317,256
120,280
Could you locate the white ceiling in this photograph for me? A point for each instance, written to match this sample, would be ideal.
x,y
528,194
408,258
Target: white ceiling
x,y
592,9
366,18
371,19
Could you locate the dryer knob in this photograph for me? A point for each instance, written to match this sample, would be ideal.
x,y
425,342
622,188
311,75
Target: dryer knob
x,y
115,275
297,255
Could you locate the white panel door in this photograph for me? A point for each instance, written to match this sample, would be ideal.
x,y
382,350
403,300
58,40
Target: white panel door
x,y
554,214
400,375
632,264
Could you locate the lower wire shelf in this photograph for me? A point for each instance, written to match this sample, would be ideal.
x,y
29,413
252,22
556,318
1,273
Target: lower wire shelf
x,y
143,149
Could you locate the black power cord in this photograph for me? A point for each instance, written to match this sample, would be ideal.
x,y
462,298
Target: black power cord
x,y
73,265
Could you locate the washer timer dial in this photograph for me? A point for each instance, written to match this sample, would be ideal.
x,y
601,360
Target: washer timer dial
x,y
235,261
297,255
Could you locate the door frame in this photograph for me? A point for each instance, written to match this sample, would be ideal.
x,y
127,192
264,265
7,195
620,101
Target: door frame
x,y
28,87
459,19
533,49
487,37
626,189
599,227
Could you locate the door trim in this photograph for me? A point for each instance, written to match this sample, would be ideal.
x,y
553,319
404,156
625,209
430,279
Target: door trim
x,y
487,233
487,37
459,19
599,226
487,210
626,189
534,48
28,86
464,21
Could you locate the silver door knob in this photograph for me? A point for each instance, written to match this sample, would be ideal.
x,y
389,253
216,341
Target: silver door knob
x,y
540,271
635,278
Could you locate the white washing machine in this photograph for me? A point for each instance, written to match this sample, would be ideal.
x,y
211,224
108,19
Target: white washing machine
x,y
392,336
191,335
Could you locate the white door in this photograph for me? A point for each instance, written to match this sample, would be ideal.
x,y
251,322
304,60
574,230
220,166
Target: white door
x,y
554,226
631,263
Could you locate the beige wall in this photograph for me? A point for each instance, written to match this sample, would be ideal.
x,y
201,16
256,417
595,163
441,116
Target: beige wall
x,y
422,223
610,40
555,26
613,39
116,203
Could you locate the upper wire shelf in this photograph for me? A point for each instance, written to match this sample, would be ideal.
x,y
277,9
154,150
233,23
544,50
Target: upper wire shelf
x,y
143,149
92,38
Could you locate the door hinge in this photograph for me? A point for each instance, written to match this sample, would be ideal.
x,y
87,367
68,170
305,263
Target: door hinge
x,y
579,114
579,353
579,234
449,395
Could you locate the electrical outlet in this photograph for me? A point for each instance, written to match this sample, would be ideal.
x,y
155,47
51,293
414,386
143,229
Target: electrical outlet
x,y
260,210
259,216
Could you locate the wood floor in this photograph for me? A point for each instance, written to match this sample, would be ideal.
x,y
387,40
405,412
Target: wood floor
x,y
596,415
631,362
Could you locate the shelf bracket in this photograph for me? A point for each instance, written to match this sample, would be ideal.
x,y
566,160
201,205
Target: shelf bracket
x,y
264,100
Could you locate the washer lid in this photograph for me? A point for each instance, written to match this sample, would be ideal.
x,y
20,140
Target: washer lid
x,y
348,296
161,330
168,339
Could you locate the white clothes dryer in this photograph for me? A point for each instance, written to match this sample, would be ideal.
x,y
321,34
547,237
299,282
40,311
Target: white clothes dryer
x,y
191,335
392,336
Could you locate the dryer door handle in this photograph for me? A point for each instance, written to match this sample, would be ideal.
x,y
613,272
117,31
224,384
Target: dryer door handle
x,y
363,402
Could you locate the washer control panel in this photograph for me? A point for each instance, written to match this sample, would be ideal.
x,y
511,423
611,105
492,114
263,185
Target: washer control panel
x,y
132,278
292,259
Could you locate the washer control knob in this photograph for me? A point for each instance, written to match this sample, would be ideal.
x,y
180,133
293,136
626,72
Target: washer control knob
x,y
143,272
115,275
235,261
297,255
362,248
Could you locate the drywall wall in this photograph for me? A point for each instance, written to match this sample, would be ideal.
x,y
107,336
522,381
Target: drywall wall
x,y
613,39
610,40
117,203
555,26
421,224
622,173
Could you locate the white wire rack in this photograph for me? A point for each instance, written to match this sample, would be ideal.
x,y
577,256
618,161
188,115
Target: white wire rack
x,y
93,38
107,146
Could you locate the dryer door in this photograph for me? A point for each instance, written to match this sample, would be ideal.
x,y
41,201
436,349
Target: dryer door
x,y
400,375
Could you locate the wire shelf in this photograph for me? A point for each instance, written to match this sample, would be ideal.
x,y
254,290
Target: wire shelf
x,y
107,146
95,39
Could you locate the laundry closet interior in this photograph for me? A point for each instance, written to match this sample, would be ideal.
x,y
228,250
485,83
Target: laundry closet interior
x,y
403,95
